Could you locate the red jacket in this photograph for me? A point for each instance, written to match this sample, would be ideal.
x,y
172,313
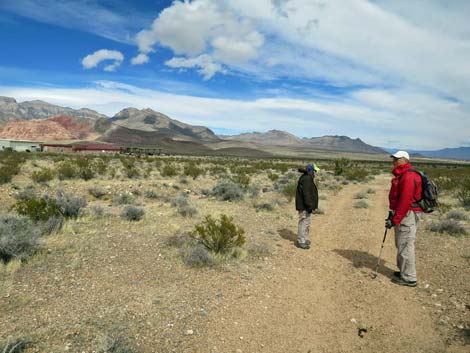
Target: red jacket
x,y
405,190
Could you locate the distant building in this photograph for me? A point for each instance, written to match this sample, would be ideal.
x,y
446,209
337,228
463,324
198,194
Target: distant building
x,y
20,145
56,147
96,148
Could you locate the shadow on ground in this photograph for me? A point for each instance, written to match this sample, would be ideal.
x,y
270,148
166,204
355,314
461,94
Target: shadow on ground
x,y
288,235
362,259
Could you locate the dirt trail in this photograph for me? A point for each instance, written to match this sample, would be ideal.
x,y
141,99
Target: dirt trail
x,y
309,301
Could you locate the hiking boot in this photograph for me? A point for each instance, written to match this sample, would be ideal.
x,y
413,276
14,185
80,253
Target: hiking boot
x,y
304,246
402,282
397,274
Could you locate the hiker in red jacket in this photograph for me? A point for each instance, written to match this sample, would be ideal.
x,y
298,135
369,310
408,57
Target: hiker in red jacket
x,y
404,194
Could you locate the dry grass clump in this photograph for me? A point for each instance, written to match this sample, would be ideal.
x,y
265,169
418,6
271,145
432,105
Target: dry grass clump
x,y
123,199
319,211
361,204
187,211
370,191
197,256
14,345
360,195
450,227
456,215
97,191
132,213
18,237
259,250
150,194
265,206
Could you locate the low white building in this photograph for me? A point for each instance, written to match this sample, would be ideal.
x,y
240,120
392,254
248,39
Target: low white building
x,y
20,145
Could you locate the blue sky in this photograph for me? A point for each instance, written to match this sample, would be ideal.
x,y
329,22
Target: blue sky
x,y
395,74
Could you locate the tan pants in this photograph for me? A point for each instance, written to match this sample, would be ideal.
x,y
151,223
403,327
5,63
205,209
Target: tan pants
x,y
405,236
304,227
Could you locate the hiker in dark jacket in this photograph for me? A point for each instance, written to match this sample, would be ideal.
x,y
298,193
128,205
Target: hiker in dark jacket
x,y
306,201
404,194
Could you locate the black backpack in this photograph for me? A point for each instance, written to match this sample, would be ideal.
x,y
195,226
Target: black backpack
x,y
429,193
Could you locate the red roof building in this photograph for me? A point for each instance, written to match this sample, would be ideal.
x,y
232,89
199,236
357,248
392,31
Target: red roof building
x,y
96,148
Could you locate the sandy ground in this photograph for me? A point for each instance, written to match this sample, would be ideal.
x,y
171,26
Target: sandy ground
x,y
107,275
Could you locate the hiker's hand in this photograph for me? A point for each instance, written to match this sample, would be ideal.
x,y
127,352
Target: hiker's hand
x,y
388,223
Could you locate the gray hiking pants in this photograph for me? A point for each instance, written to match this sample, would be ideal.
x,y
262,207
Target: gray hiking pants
x,y
304,227
405,236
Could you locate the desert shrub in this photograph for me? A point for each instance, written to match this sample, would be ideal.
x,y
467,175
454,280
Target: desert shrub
x,y
220,236
100,166
287,185
52,225
187,211
319,211
132,213
179,201
289,190
463,195
43,176
370,191
69,204
67,170
361,204
241,179
131,172
150,194
10,165
197,256
18,237
341,165
259,250
169,170
97,211
322,197
450,227
97,191
356,174
26,194
456,215
273,176
265,206
184,180
228,191
360,195
123,199
192,170
136,192
38,209
254,190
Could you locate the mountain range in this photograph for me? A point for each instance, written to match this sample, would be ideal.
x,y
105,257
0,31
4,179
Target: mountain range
x,y
39,120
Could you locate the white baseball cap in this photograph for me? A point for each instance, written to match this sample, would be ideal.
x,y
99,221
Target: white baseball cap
x,y
401,154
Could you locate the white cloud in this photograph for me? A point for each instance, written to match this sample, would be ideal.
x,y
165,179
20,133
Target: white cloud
x,y
203,28
408,118
76,15
140,59
206,66
92,60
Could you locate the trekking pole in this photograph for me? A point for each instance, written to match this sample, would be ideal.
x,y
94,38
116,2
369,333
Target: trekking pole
x,y
374,275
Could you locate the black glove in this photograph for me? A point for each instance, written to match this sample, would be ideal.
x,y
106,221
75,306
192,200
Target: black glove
x,y
388,223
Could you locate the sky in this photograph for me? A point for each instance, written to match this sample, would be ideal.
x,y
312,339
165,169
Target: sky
x,y
395,74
